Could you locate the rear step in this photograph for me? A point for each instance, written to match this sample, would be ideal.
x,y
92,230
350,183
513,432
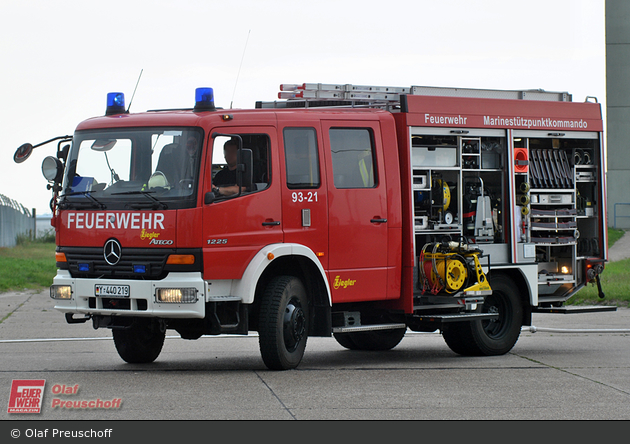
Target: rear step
x,y
575,309
374,327
459,317
433,319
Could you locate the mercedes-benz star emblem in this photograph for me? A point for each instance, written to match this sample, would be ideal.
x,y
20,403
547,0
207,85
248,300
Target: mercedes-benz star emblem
x,y
112,251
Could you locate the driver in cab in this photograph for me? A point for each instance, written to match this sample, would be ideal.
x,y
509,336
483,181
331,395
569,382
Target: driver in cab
x,y
224,182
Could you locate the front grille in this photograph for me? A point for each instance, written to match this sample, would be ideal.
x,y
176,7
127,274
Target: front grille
x,y
153,260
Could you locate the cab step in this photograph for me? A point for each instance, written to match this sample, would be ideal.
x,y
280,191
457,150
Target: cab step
x,y
575,309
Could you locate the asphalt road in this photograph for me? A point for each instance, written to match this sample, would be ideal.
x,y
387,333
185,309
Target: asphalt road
x,y
547,376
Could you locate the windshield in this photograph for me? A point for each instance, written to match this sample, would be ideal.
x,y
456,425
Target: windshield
x,y
133,168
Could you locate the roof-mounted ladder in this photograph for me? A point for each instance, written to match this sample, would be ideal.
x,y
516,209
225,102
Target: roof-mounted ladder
x,y
321,94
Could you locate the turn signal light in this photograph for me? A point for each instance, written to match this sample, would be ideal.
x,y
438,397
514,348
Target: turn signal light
x,y
181,259
60,257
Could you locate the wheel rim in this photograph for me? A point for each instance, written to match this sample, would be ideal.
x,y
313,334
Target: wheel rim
x,y
496,328
294,325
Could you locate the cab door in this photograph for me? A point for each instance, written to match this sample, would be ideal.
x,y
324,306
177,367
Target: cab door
x,y
305,204
357,206
236,228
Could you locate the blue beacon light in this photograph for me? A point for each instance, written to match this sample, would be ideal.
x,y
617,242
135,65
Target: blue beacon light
x,y
204,99
140,269
115,103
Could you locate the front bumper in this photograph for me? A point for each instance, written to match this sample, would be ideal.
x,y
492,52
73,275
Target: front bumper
x,y
140,302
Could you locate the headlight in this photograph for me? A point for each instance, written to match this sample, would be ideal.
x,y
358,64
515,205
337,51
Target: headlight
x,y
61,292
176,295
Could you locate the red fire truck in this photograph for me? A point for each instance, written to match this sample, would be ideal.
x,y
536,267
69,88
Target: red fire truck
x,y
356,212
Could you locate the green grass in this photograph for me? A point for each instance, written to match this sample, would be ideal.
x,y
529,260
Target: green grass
x,y
614,234
29,265
615,281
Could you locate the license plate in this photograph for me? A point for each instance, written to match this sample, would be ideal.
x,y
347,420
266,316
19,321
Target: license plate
x,y
112,291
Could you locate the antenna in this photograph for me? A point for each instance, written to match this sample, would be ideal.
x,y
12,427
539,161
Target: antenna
x,y
239,68
134,92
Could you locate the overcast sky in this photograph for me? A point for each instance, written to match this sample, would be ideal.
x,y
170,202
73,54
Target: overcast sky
x,y
60,58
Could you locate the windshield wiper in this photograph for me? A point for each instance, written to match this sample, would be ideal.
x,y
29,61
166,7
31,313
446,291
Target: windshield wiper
x,y
95,203
155,204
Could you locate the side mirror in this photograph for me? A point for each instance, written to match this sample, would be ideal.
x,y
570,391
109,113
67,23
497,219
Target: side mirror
x,y
22,153
52,169
103,144
62,153
209,198
246,168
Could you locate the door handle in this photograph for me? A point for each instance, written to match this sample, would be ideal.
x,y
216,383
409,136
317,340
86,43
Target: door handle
x,y
272,223
378,221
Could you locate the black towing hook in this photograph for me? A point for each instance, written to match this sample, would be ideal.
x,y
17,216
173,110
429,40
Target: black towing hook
x,y
71,320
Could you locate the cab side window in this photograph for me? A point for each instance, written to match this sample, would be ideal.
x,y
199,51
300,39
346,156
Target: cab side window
x,y
352,152
256,174
302,160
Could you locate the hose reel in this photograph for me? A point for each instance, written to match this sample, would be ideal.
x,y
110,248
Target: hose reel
x,y
449,274
451,267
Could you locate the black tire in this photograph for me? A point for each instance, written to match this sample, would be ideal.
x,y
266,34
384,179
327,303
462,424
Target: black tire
x,y
495,337
283,323
345,340
141,343
376,340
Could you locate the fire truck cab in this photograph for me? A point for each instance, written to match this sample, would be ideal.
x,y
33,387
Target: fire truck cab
x,y
349,211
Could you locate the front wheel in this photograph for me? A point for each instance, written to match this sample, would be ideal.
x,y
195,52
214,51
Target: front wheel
x,y
140,343
493,337
283,323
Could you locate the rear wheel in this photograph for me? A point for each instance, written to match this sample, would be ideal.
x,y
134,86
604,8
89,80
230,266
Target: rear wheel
x,y
494,337
376,340
283,323
345,340
140,343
